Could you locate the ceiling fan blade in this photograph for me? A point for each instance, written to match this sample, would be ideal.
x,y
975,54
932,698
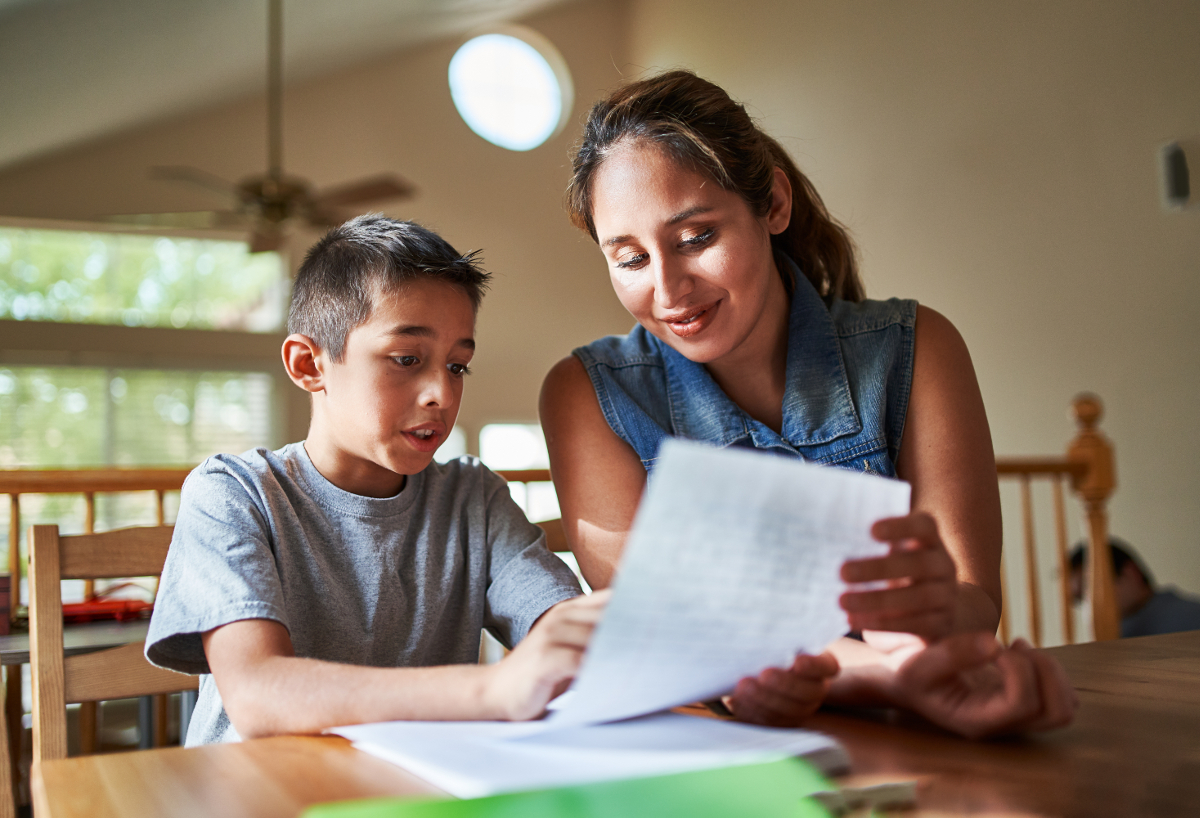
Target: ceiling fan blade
x,y
325,218
194,176
194,220
266,238
372,189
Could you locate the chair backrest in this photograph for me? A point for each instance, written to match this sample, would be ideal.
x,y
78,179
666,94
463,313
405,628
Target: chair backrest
x,y
1089,469
115,673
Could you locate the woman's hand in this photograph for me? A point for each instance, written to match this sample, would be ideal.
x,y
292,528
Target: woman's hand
x,y
970,684
543,664
921,583
784,697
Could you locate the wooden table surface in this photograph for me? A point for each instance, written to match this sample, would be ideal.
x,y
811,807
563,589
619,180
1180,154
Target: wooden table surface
x,y
1134,749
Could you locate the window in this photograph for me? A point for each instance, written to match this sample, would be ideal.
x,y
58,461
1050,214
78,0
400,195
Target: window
x,y
511,87
454,446
121,349
138,280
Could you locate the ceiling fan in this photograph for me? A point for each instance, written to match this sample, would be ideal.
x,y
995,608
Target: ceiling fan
x,y
268,202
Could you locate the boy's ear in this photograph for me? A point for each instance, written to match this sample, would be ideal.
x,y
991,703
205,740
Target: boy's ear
x,y
305,362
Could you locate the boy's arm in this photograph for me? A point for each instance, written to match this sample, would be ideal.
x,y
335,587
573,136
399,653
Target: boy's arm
x,y
267,690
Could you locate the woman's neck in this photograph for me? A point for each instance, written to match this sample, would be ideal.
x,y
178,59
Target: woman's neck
x,y
754,375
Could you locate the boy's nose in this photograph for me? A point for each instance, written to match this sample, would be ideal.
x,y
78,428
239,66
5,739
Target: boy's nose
x,y
437,390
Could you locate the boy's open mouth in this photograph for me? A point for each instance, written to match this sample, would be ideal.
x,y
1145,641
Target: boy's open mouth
x,y
425,439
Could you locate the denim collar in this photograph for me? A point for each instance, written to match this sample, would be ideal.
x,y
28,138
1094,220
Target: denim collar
x,y
817,404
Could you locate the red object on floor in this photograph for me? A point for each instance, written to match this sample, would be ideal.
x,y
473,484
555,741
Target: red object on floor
x,y
118,609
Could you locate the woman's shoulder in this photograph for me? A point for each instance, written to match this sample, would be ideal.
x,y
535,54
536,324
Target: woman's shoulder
x,y
869,315
638,348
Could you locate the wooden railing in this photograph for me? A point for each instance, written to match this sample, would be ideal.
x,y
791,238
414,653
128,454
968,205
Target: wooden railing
x,y
89,483
1088,467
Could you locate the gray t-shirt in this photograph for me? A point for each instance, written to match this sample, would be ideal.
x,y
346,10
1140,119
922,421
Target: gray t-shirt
x,y
408,581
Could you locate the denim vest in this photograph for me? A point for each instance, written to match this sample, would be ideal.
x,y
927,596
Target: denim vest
x,y
849,374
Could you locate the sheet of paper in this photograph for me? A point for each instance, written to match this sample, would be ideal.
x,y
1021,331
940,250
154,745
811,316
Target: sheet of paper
x,y
472,759
732,567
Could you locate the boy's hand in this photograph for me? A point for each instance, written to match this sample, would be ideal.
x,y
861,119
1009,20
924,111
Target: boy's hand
x,y
921,582
784,698
546,660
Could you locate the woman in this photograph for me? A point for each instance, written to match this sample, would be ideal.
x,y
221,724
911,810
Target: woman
x,y
753,331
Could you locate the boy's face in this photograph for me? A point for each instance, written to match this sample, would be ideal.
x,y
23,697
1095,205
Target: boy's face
x,y
391,401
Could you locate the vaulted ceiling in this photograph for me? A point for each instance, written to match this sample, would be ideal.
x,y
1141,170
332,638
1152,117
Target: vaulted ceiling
x,y
75,70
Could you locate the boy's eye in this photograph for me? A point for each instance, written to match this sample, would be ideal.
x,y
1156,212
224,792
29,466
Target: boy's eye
x,y
406,360
459,369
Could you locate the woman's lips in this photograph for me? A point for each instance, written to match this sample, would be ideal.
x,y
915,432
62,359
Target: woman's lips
x,y
689,323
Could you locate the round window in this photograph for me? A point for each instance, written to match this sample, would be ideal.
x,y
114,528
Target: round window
x,y
511,88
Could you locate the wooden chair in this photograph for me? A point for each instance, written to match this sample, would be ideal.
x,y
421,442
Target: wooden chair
x,y
117,673
556,537
1089,469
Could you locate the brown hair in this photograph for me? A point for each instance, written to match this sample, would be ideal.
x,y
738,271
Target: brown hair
x,y
697,124
366,256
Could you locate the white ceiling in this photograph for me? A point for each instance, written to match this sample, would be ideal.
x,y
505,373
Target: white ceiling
x,y
76,70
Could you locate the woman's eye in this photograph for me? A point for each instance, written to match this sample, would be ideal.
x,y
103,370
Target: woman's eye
x,y
629,262
459,369
700,240
406,360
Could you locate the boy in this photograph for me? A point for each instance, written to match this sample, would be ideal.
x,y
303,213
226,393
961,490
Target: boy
x,y
346,578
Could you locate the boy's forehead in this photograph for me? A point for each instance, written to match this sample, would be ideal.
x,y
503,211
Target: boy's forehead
x,y
423,307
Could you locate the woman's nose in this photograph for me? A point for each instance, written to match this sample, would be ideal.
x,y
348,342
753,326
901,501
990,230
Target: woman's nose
x,y
672,282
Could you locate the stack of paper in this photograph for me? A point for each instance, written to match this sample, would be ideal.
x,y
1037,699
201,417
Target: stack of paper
x,y
732,567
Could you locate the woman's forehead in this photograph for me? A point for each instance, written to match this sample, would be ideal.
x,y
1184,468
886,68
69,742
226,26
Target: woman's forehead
x,y
639,181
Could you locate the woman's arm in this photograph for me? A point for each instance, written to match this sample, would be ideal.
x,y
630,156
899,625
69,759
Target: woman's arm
x,y
268,690
946,455
598,477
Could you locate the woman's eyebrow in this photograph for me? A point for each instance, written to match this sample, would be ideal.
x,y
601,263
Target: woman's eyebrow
x,y
684,215
681,216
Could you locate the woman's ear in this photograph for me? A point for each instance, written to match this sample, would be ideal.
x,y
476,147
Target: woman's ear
x,y
304,361
780,214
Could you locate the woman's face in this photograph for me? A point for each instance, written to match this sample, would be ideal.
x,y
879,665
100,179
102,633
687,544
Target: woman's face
x,y
689,260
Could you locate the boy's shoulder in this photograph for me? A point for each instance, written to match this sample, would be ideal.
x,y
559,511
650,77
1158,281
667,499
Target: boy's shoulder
x,y
252,467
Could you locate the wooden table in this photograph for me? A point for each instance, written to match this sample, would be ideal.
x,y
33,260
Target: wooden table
x,y
1134,749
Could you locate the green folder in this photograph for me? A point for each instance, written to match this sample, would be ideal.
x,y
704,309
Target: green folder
x,y
777,788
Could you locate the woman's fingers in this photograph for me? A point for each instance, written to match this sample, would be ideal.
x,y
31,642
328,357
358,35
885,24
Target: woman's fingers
x,y
921,563
919,525
925,609
945,660
1055,692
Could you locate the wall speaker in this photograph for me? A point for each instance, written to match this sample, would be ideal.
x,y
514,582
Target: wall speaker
x,y
1178,162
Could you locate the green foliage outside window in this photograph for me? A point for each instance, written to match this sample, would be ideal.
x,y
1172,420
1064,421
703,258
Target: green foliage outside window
x,y
136,280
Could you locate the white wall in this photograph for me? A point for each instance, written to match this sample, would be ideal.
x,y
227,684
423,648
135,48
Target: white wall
x,y
997,161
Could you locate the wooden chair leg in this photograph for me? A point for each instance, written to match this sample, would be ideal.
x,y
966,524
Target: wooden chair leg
x,y
160,720
14,710
87,727
8,792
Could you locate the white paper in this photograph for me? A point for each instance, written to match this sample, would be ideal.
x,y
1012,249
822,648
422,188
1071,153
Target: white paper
x,y
473,759
732,566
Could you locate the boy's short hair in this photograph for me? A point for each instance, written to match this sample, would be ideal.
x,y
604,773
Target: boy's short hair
x,y
367,255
